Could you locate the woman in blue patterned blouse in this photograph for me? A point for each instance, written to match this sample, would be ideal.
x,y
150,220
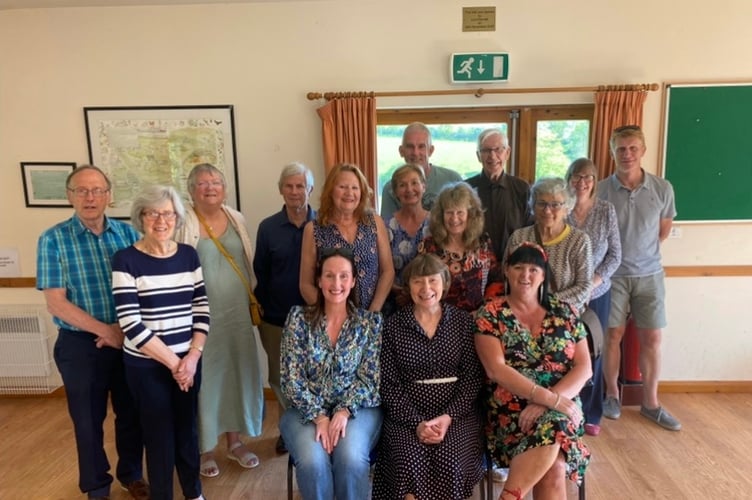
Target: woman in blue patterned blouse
x,y
330,376
407,227
597,218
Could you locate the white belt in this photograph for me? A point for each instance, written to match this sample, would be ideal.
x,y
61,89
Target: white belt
x,y
445,380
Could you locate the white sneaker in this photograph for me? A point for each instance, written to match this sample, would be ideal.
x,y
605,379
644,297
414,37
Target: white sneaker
x,y
499,474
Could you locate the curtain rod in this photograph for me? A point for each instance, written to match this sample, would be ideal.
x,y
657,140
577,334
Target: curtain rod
x,y
480,92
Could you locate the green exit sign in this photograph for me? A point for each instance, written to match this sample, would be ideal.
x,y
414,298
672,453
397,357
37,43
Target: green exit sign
x,y
479,68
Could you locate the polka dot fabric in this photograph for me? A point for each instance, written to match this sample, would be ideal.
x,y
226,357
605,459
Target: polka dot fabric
x,y
448,470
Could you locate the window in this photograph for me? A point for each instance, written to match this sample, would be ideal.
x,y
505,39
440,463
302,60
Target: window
x,y
544,140
551,138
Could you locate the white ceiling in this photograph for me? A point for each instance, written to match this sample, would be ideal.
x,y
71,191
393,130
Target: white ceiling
x,y
43,4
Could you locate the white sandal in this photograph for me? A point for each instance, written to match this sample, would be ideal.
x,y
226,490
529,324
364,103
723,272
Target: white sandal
x,y
249,460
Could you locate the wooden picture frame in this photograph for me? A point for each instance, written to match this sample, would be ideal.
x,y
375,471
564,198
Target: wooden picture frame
x,y
138,146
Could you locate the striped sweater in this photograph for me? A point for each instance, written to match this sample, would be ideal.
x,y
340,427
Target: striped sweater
x,y
159,296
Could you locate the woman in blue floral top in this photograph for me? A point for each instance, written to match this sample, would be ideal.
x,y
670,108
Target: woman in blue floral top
x,y
330,376
407,227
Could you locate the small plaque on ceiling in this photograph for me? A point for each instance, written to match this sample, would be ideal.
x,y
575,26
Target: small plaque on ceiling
x,y
478,18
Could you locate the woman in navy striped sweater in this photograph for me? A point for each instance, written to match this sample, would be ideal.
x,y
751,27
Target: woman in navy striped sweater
x,y
163,311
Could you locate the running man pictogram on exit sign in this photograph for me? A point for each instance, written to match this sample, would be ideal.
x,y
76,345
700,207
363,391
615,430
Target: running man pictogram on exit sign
x,y
479,67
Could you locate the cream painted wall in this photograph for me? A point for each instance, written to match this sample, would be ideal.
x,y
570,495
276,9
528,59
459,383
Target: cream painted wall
x,y
263,58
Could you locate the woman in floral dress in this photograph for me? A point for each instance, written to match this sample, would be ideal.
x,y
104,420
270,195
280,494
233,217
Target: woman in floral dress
x,y
535,354
457,238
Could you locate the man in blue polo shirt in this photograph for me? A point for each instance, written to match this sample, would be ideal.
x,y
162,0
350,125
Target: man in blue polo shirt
x,y
417,149
74,272
277,266
645,210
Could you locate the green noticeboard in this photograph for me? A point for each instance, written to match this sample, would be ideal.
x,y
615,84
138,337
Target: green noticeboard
x,y
708,157
479,67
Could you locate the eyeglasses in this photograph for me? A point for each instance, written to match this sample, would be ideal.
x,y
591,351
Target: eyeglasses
x,y
83,192
325,253
555,206
154,215
488,151
585,178
214,184
624,128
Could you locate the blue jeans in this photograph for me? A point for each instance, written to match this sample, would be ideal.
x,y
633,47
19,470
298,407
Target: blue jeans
x,y
344,473
592,394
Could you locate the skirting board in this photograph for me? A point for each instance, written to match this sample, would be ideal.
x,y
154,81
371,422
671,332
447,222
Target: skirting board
x,y
738,386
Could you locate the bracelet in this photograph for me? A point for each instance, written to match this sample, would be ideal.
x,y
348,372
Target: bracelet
x,y
558,400
532,392
199,348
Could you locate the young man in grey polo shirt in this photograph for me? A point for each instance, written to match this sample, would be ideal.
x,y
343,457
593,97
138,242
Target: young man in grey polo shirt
x,y
645,210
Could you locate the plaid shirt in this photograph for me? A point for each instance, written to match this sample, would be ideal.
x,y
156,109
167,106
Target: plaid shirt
x,y
70,256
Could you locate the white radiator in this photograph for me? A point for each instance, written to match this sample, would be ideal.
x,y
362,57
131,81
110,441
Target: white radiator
x,y
27,336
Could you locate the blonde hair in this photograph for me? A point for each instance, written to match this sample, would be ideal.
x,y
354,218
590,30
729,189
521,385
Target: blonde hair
x,y
459,194
625,132
326,207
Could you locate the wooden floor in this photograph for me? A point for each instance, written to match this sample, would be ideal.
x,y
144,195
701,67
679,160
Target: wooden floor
x,y
632,458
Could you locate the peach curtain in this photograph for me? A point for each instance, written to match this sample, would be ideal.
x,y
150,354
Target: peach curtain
x,y
348,127
613,108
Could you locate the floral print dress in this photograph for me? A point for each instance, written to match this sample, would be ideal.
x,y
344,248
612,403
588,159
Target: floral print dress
x,y
472,272
543,358
404,245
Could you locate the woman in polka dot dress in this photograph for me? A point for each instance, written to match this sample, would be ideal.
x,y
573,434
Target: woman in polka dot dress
x,y
430,444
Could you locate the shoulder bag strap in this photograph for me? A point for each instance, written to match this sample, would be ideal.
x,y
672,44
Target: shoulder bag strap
x,y
227,256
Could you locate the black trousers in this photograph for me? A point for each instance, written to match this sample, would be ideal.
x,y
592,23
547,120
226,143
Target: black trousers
x,y
91,376
170,423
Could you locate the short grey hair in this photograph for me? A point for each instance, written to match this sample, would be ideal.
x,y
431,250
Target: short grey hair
x,y
552,186
296,168
152,196
417,127
202,168
83,168
491,132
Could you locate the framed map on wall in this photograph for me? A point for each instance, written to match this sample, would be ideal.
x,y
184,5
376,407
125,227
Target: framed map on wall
x,y
138,146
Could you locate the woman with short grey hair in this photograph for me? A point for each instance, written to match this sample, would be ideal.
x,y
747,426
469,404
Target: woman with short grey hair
x,y
151,197
570,255
162,308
